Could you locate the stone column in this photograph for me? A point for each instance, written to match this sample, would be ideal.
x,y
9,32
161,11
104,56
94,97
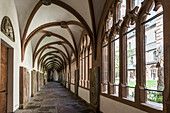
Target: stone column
x,y
166,23
76,81
140,64
33,83
110,80
122,62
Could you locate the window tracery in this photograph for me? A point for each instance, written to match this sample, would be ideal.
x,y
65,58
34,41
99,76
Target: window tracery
x,y
85,61
126,32
73,68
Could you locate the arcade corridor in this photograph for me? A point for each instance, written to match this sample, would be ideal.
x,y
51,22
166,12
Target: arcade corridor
x,y
84,56
54,98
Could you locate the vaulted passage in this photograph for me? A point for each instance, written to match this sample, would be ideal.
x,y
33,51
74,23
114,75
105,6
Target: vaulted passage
x,y
54,98
113,54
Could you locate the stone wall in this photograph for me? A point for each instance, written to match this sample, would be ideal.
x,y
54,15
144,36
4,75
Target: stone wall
x,y
38,81
24,87
45,79
41,80
33,83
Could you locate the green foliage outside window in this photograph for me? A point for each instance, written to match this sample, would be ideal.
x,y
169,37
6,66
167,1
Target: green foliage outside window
x,y
155,96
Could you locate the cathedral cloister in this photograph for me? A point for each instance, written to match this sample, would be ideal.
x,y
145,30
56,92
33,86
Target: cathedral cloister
x,y
84,56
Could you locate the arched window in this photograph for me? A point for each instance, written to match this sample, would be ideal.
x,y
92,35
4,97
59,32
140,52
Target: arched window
x,y
105,68
81,63
132,65
80,72
115,64
154,54
73,68
90,57
85,62
130,36
67,75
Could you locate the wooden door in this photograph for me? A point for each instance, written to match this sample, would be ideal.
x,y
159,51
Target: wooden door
x,y
3,79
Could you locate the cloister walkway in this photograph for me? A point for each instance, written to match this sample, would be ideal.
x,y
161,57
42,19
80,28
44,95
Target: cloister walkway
x,y
54,98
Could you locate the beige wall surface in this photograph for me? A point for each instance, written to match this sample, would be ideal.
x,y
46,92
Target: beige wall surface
x,y
72,88
84,94
111,106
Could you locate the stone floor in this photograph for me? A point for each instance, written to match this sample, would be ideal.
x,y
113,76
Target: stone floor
x,y
54,98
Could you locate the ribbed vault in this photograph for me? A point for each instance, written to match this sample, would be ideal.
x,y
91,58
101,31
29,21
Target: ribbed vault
x,y
54,29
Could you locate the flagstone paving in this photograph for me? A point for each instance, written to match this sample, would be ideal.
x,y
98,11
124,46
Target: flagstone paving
x,y
54,98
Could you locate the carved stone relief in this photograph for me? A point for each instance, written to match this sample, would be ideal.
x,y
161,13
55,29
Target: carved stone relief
x,y
76,81
41,80
38,81
33,83
7,28
69,79
94,87
24,87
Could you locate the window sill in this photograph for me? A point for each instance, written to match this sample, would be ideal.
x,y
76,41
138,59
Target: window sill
x,y
143,106
84,87
116,95
130,99
72,83
153,105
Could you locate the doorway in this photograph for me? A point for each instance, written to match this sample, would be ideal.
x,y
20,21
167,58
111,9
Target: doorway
x,y
3,78
6,77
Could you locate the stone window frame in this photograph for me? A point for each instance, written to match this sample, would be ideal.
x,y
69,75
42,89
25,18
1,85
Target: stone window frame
x,y
137,16
104,66
67,73
73,68
85,54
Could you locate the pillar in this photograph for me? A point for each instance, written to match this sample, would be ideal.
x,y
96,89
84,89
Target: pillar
x,y
33,83
166,94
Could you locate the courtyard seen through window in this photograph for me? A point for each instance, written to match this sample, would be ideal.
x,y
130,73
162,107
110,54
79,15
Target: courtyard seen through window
x,y
105,67
85,58
115,64
152,79
130,36
154,57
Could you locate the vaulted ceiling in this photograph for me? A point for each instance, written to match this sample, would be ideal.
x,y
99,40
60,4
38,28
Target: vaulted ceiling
x,y
54,27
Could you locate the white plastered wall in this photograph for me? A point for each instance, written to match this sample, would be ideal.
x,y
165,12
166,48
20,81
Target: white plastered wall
x,y
7,8
66,84
84,94
111,106
27,63
72,88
